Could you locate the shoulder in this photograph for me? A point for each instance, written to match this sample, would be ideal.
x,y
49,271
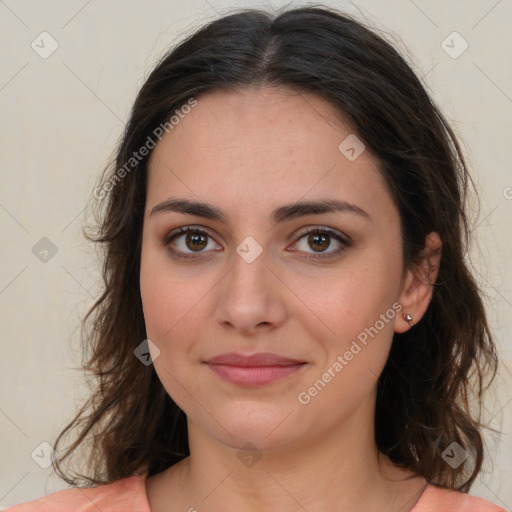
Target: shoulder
x,y
125,495
438,499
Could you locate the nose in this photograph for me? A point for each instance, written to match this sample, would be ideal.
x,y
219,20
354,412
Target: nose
x,y
251,296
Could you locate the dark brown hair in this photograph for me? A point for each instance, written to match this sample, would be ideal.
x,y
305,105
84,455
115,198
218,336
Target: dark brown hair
x,y
434,370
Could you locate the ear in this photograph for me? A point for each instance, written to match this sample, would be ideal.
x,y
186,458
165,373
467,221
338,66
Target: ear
x,y
418,284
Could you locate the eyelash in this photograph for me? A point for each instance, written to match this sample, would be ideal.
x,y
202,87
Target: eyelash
x,y
344,241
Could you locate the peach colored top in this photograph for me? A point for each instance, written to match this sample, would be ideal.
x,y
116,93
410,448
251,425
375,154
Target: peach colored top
x,y
129,495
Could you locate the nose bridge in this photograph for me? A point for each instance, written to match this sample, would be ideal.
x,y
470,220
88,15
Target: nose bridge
x,y
247,294
249,274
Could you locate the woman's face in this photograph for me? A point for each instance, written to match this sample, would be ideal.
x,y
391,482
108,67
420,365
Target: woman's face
x,y
253,281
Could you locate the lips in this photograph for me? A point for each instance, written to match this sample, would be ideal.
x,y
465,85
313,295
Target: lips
x,y
255,369
253,360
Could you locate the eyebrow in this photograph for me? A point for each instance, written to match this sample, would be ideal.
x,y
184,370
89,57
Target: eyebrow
x,y
280,214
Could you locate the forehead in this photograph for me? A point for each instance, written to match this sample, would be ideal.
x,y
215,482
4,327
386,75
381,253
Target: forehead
x,y
275,145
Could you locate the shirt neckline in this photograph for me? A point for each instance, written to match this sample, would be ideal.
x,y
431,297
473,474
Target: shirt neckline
x,y
415,508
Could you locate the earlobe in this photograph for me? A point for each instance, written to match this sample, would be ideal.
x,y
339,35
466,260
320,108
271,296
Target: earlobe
x,y
419,284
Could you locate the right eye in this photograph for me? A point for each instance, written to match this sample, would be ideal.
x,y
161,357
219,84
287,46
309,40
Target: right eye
x,y
184,241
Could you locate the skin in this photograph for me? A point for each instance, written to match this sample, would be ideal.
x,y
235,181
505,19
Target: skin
x,y
247,153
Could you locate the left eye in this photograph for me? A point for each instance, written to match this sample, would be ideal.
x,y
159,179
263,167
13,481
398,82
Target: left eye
x,y
189,240
320,239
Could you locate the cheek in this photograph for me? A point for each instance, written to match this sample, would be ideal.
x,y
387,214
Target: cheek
x,y
361,316
359,308
167,297
169,310
168,307
353,299
175,308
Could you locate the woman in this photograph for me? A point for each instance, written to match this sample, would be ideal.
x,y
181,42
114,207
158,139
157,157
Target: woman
x,y
288,320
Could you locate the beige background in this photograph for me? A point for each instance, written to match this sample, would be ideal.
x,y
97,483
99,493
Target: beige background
x,y
61,117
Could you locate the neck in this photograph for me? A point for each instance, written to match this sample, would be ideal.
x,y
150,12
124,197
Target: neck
x,y
339,470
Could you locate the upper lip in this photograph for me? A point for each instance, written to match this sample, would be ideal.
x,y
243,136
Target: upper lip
x,y
259,359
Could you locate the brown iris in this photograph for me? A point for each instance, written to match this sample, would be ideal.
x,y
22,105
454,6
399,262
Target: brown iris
x,y
198,241
317,239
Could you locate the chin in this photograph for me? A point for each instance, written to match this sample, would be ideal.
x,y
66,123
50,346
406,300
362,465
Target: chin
x,y
267,427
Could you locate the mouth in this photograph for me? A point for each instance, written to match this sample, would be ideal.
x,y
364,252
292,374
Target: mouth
x,y
254,370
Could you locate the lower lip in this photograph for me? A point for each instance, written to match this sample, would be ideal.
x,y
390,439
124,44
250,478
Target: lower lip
x,y
254,375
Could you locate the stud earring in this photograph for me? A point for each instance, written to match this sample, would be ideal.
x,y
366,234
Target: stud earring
x,y
408,319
